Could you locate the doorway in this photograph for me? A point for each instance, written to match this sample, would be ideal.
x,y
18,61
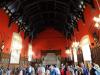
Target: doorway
x,y
51,57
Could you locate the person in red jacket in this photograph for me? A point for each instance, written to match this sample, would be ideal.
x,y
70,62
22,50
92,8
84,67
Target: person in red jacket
x,y
66,70
62,69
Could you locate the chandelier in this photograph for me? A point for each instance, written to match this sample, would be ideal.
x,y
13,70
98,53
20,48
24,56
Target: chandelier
x,y
75,45
97,19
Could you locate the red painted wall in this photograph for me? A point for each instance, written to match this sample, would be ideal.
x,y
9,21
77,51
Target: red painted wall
x,y
49,38
6,34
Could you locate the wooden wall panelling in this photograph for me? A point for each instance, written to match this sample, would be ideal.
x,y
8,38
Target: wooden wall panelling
x,y
95,54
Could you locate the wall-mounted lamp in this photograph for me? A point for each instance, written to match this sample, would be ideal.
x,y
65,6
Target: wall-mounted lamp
x,y
69,54
75,44
97,22
1,46
97,19
1,49
68,51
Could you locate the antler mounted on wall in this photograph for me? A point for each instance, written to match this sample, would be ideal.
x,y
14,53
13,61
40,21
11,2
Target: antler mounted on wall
x,y
4,38
1,45
1,41
96,38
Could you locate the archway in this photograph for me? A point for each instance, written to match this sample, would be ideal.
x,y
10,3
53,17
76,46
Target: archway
x,y
51,57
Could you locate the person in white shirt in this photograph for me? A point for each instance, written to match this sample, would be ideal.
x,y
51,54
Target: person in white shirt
x,y
30,70
33,71
41,70
21,72
47,70
8,71
57,70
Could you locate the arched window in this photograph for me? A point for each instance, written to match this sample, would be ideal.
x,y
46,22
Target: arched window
x,y
15,49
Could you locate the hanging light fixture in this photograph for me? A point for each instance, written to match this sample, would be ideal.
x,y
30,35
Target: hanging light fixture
x,y
82,5
75,44
97,19
10,8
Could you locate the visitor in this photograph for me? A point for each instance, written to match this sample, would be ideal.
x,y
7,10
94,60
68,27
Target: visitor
x,y
52,70
47,70
1,71
84,69
41,70
8,71
57,70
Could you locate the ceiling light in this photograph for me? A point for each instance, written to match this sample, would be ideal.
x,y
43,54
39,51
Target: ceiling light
x,y
7,11
82,10
75,44
74,17
26,27
24,30
20,19
79,16
12,10
4,8
83,6
82,2
80,6
68,51
16,21
10,14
